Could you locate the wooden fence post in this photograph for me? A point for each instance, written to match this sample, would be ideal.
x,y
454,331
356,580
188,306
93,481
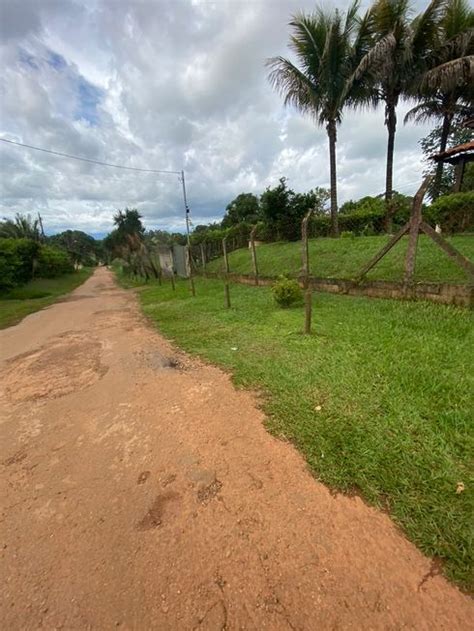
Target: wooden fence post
x,y
190,268
415,221
203,259
254,253
306,279
227,270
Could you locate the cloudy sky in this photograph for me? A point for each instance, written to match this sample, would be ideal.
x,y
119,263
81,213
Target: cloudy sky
x,y
165,84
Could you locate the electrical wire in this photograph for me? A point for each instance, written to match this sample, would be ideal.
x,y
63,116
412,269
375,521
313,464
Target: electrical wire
x,y
106,164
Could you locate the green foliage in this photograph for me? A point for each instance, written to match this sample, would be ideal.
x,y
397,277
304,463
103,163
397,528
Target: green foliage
x,y
263,232
81,247
163,237
286,292
128,234
243,209
347,234
22,227
129,221
327,47
365,204
17,260
53,262
283,210
359,222
455,212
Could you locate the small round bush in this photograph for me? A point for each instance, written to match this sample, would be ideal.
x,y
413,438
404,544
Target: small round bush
x,y
286,292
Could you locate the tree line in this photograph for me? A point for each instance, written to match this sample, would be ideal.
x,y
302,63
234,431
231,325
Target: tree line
x,y
26,252
347,60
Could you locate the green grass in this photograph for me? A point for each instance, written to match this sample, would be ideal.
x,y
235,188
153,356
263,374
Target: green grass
x,y
379,398
37,294
343,258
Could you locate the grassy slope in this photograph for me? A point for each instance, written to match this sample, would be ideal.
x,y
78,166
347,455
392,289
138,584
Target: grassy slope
x,y
37,294
343,258
394,386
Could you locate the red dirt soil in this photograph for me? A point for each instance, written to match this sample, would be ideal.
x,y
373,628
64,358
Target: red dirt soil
x,y
143,493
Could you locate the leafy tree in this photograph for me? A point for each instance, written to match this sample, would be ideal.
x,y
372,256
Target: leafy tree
x,y
22,227
81,247
243,208
129,222
128,235
401,46
328,48
367,203
446,102
282,209
376,204
275,204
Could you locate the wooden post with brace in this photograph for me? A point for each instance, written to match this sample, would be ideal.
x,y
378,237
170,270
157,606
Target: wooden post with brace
x,y
306,276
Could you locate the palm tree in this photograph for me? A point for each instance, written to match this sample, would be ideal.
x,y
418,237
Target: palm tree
x,y
400,47
328,48
22,227
446,85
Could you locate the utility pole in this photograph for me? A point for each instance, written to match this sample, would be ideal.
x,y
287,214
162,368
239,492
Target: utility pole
x,y
186,211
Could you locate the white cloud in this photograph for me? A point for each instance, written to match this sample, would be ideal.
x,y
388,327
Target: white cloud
x,y
168,85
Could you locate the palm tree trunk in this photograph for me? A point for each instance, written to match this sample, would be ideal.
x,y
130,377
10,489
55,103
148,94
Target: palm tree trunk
x,y
442,147
332,135
391,122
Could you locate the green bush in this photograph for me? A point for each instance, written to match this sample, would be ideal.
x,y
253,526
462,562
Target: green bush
x,y
17,261
286,292
264,232
347,234
53,262
454,212
360,222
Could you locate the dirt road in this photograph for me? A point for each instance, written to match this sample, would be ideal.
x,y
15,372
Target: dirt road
x,y
141,491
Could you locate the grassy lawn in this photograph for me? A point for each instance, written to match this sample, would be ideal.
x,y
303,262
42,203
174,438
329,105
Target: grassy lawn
x,y
379,399
37,294
343,258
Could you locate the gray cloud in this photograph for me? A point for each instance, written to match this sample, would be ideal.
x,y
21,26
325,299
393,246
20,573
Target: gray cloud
x,y
167,85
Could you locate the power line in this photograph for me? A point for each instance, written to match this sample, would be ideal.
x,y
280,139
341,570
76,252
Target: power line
x,y
106,164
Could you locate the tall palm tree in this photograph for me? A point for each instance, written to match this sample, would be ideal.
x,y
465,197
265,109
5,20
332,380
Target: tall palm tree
x,y
446,83
328,48
400,47
22,227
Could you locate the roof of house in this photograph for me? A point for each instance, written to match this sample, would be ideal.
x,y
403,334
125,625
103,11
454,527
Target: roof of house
x,y
455,153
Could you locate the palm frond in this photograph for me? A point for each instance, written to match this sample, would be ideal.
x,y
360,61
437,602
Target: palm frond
x,y
457,18
424,31
378,59
424,112
289,81
451,75
351,20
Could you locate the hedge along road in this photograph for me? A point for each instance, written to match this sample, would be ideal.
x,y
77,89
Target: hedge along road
x,y
140,490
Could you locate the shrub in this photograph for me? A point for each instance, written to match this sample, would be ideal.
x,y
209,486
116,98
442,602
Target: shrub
x,y
347,234
53,262
454,212
264,232
17,260
286,292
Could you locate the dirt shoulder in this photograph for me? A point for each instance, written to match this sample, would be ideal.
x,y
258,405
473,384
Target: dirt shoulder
x,y
139,493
